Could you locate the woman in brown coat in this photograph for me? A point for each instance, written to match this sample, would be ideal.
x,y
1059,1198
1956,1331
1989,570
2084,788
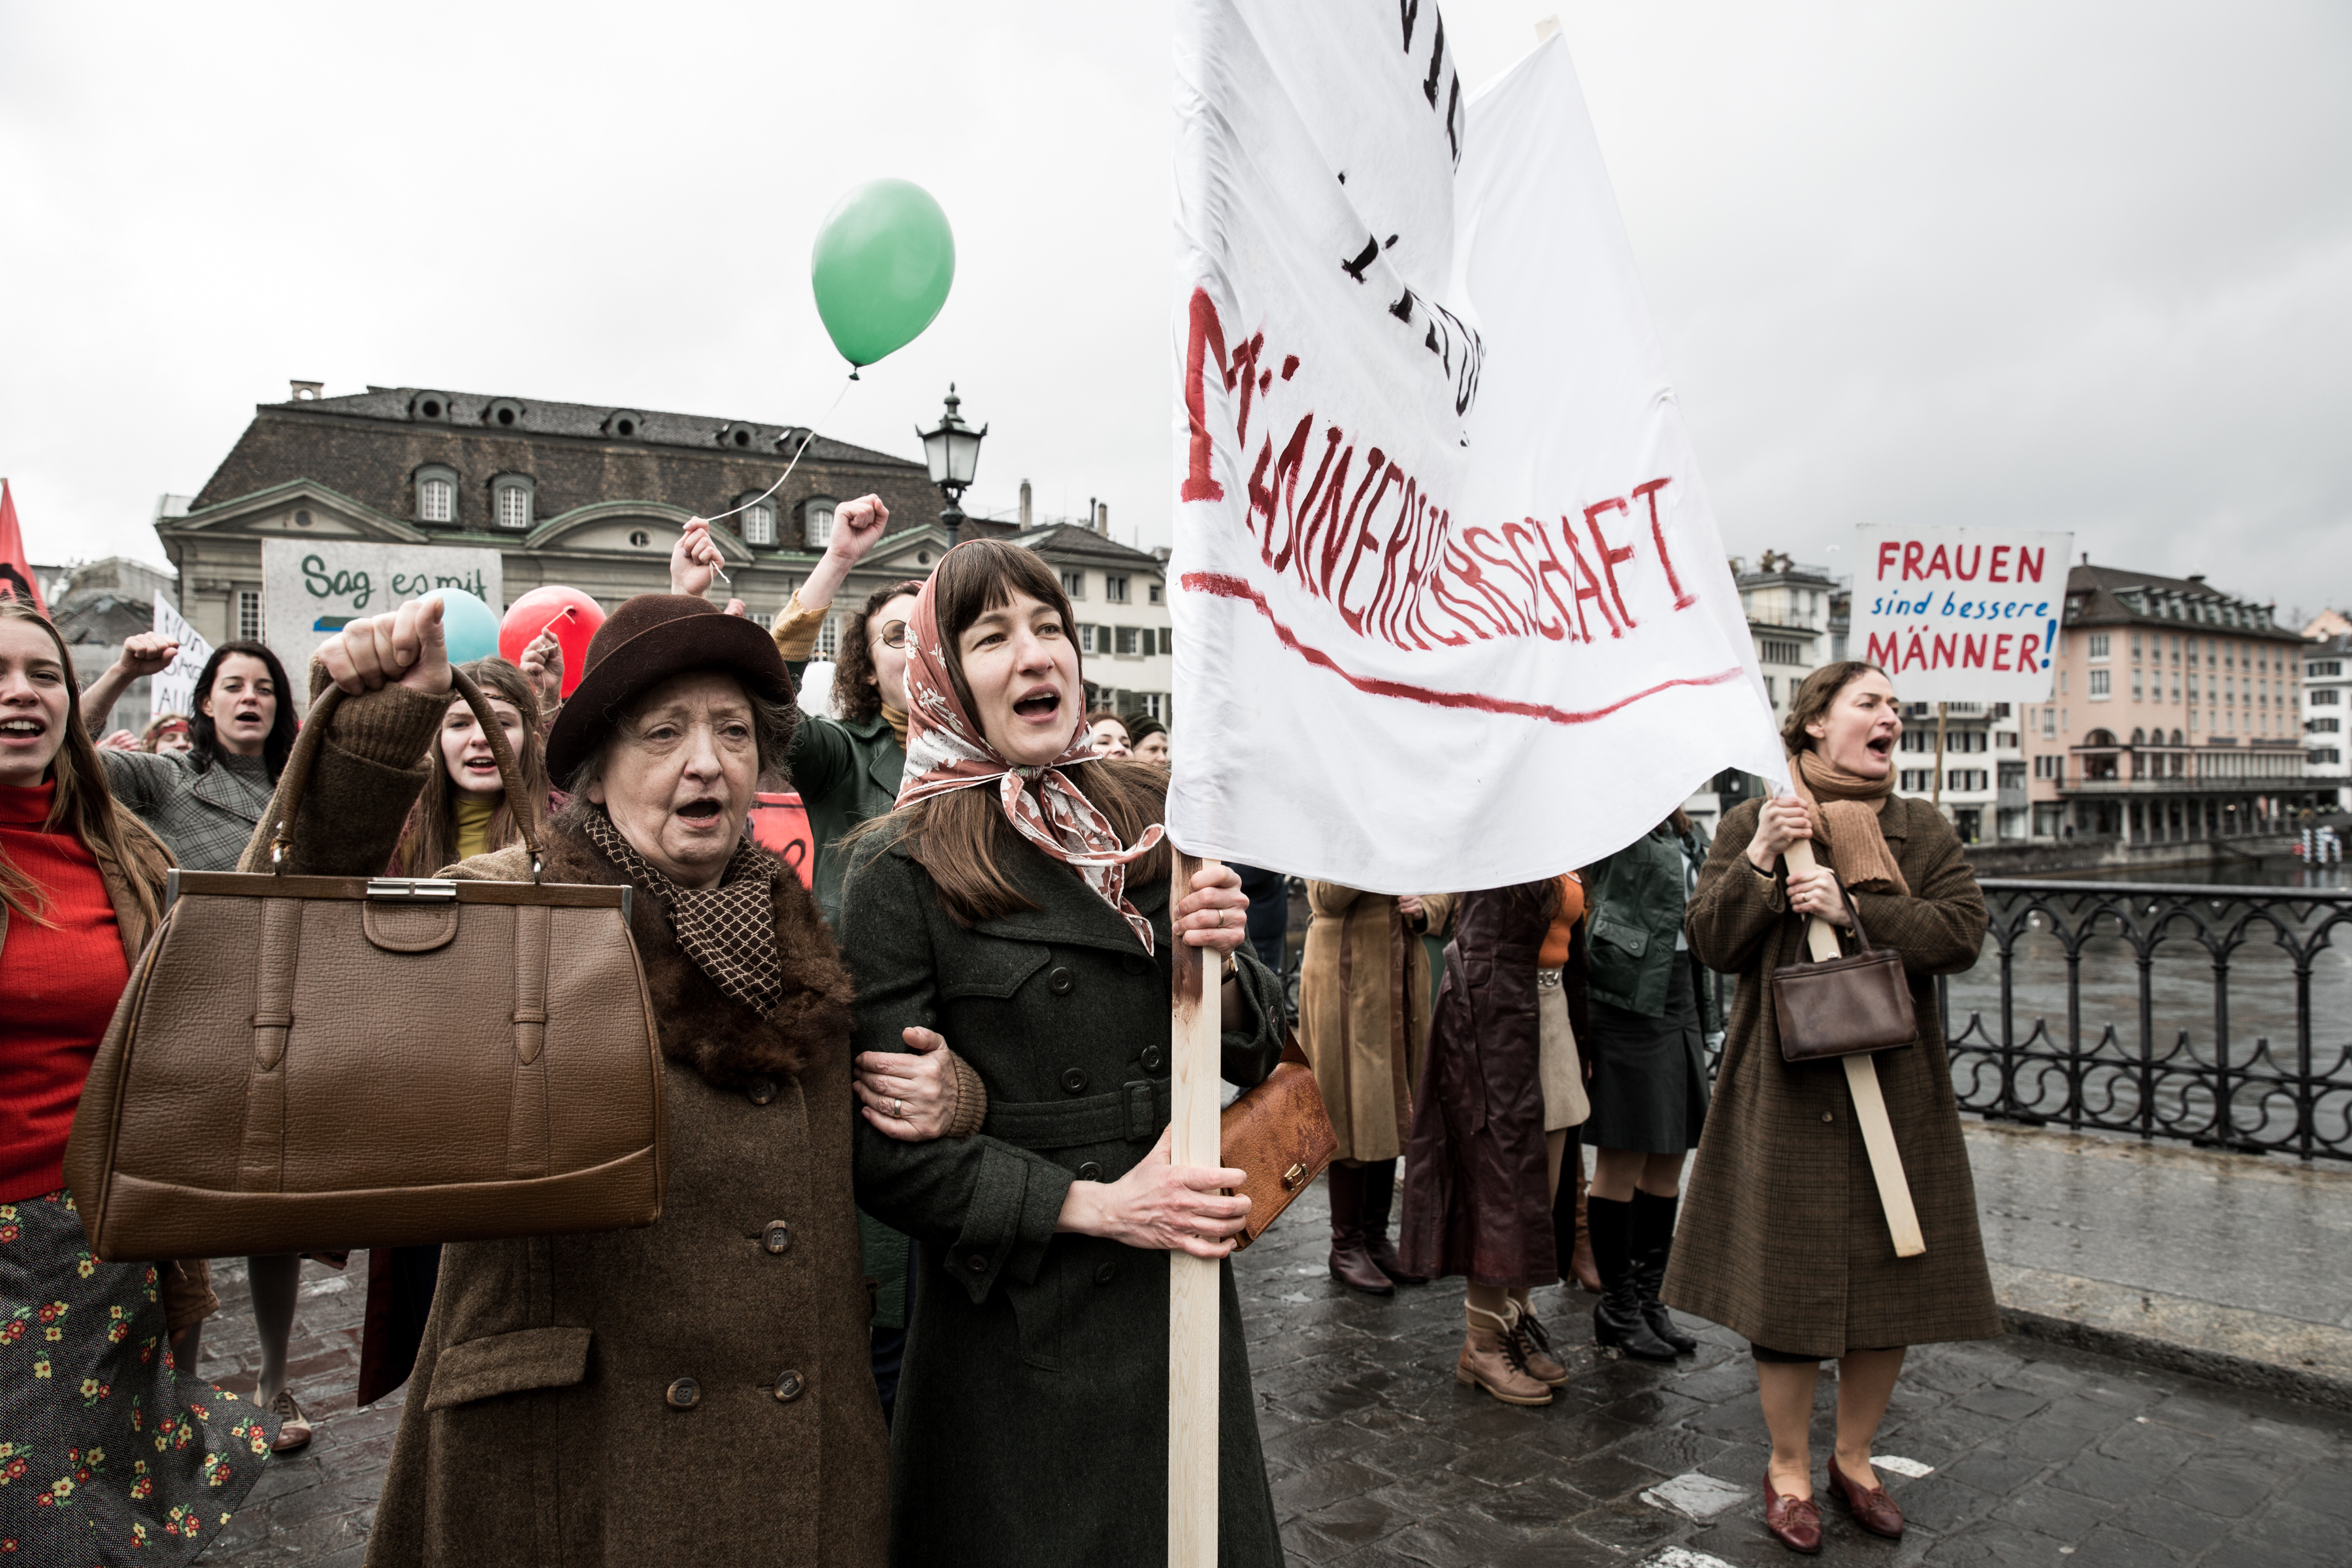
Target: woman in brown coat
x,y
1818,1278
1363,1007
697,1390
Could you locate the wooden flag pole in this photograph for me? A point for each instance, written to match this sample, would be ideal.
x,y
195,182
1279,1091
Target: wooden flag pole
x,y
1869,1102
1192,1282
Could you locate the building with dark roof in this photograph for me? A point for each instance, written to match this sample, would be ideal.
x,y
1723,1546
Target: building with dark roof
x,y
593,498
2177,715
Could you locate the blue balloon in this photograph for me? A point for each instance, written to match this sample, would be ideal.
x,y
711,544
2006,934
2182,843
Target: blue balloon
x,y
469,626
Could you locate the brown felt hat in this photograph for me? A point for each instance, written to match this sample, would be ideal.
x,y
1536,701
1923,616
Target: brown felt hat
x,y
644,642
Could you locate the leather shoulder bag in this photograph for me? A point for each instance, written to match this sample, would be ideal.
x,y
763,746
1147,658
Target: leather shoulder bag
x,y
305,1064
1846,1005
1279,1136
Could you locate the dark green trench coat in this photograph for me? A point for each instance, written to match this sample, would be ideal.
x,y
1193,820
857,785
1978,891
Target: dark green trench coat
x,y
1031,1427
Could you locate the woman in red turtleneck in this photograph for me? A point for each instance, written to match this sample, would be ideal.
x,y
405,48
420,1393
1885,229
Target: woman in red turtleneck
x,y
109,1448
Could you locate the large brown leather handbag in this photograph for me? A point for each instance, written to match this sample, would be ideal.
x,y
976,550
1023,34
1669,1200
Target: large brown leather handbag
x,y
307,1064
1846,1005
1279,1136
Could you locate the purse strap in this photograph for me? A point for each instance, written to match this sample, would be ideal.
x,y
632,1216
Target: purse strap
x,y
1853,910
295,782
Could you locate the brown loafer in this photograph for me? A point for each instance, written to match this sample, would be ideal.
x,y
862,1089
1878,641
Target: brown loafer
x,y
1872,1508
1794,1522
293,1426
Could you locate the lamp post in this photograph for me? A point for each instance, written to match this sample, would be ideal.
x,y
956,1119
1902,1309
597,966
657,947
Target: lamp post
x,y
953,451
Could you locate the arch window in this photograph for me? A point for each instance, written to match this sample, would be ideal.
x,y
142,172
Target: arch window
x,y
503,413
759,521
512,500
436,494
817,522
623,424
430,405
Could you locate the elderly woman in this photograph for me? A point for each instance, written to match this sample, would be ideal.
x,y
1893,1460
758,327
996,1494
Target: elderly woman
x,y
1782,1238
1018,901
721,1409
92,1379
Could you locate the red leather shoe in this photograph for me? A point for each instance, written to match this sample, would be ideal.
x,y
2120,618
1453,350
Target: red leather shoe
x,y
1794,1522
1872,1508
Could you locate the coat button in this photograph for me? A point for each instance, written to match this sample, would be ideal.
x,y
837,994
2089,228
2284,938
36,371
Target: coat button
x,y
1090,1172
1106,1273
759,1090
1059,981
1828,1116
1134,963
977,1262
684,1395
1152,1058
789,1386
1074,1080
777,1237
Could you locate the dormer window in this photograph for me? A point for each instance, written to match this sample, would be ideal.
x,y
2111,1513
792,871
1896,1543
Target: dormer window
x,y
817,522
432,405
760,522
738,437
624,424
436,494
512,500
503,413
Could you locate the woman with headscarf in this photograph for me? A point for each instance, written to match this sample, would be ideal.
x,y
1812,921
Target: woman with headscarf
x,y
695,1390
1782,1237
1017,901
110,1449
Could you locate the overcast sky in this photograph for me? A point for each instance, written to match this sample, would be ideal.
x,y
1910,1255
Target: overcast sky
x,y
2056,266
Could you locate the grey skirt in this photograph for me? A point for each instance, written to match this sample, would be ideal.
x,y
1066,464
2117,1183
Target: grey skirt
x,y
1649,1075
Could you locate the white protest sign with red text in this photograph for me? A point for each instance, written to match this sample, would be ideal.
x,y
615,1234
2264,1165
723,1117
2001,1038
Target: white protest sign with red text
x,y
1960,615
1450,608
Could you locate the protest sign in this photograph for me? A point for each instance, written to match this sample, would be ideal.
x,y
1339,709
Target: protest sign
x,y
175,690
1960,615
1440,535
311,589
780,824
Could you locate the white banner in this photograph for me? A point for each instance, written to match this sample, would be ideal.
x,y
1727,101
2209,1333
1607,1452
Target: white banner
x,y
1450,608
310,589
1960,615
175,690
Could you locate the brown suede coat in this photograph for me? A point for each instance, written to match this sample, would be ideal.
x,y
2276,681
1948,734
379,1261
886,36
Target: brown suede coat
x,y
537,1429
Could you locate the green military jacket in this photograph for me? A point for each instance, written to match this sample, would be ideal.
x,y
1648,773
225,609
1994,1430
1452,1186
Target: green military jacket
x,y
846,773
1032,1424
1637,898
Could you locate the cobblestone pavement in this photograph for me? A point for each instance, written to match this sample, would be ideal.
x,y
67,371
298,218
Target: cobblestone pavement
x,y
2032,1454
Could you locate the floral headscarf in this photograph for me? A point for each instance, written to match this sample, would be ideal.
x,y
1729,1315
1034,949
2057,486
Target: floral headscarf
x,y
946,750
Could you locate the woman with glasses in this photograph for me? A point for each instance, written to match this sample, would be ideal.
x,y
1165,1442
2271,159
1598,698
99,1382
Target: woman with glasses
x,y
846,769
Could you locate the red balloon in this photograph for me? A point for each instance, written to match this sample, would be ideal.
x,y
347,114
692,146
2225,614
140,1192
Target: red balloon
x,y
572,614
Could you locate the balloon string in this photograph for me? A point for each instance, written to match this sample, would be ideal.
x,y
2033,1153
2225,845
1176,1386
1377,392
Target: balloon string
x,y
806,442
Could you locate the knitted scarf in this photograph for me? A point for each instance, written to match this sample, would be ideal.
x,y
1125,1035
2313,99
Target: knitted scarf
x,y
946,750
1844,809
728,931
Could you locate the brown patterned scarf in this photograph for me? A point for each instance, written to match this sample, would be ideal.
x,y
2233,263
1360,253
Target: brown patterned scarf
x,y
1844,808
728,930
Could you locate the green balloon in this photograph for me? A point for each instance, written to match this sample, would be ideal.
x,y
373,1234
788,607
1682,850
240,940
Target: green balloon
x,y
883,263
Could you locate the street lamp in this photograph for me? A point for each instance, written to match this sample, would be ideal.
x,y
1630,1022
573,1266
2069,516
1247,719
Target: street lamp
x,y
953,452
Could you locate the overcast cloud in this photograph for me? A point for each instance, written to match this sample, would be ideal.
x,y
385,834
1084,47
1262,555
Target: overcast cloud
x,y
2063,266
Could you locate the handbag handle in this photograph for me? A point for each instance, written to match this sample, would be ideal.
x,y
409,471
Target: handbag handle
x,y
296,781
1853,910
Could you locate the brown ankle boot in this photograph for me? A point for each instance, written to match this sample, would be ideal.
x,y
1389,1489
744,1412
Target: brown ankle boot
x,y
1580,1263
1350,1264
1535,1346
1491,1359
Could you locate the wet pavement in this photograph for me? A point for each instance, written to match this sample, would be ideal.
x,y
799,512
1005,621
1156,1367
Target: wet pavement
x,y
2027,1451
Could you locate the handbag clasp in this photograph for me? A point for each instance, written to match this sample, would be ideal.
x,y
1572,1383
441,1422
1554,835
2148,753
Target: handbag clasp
x,y
412,891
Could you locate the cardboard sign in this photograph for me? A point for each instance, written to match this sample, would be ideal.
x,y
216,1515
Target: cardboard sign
x,y
780,824
1960,615
175,690
311,589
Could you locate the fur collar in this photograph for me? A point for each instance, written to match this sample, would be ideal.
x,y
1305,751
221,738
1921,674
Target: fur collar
x,y
700,1027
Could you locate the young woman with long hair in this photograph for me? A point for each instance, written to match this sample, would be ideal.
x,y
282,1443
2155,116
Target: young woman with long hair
x,y
1018,904
91,1366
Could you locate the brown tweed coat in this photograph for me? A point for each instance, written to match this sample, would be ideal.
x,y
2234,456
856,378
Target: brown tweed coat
x,y
1782,1238
538,1428
1363,1013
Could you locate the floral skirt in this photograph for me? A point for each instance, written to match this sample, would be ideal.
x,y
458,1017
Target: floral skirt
x,y
108,1453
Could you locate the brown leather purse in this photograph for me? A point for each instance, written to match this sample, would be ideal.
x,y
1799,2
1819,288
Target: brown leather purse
x,y
305,1064
1279,1136
1843,1006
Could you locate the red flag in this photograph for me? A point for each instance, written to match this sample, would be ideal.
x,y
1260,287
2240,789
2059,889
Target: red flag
x,y
16,572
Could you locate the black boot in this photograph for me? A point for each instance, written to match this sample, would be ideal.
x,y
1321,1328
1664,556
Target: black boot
x,y
1379,1198
1618,1319
1350,1264
1653,1244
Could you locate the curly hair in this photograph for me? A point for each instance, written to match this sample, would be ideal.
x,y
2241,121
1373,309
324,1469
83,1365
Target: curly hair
x,y
856,692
